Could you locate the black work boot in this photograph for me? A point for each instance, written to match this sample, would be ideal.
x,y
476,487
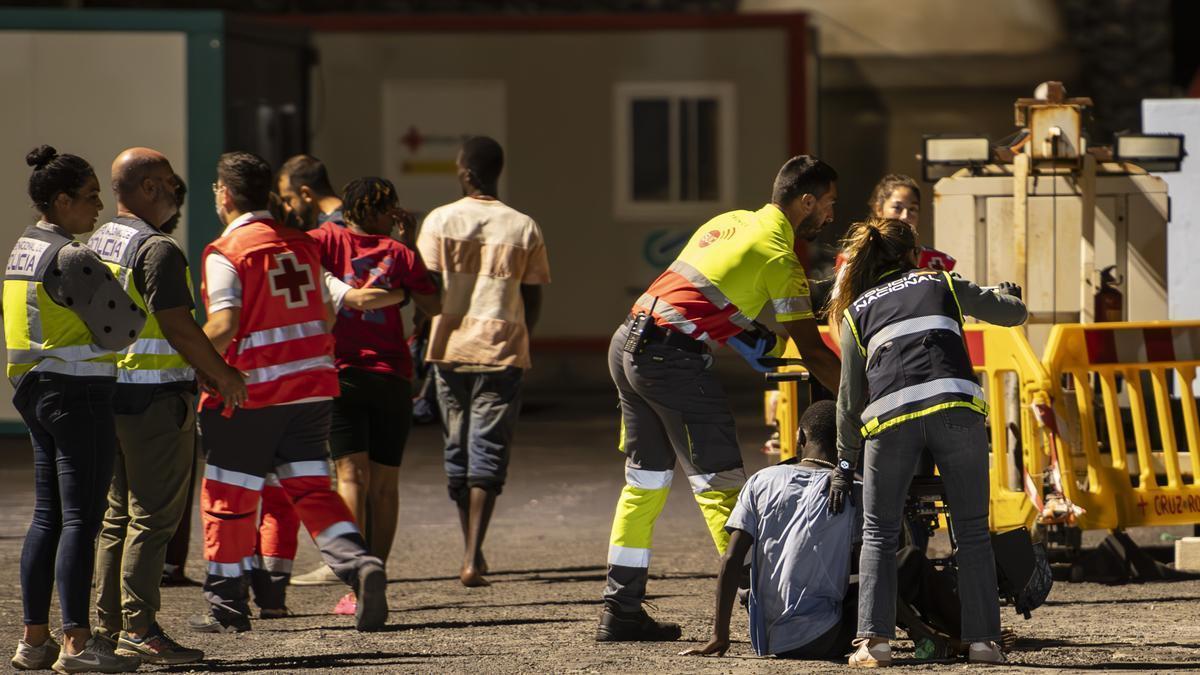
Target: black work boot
x,y
636,626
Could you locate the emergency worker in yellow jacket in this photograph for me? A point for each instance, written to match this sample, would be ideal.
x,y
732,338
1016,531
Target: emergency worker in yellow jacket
x,y
155,405
64,317
672,405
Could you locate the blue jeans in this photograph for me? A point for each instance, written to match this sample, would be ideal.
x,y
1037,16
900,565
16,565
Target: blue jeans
x,y
479,417
74,438
958,441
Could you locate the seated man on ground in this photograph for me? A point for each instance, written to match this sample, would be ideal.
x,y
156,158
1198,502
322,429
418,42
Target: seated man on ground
x,y
800,566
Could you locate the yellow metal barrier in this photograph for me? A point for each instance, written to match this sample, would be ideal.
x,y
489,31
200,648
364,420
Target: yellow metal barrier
x,y
1015,381
1120,486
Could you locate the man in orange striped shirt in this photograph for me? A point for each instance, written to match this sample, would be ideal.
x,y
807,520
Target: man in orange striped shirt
x,y
672,405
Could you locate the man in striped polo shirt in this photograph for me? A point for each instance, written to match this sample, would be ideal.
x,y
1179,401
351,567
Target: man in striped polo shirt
x,y
672,404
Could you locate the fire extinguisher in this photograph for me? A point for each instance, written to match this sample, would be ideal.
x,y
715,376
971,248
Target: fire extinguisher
x,y
1110,303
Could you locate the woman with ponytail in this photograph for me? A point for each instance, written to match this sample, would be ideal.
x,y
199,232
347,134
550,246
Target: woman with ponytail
x,y
907,384
65,316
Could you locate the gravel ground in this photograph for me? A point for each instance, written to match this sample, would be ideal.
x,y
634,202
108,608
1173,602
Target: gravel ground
x,y
547,546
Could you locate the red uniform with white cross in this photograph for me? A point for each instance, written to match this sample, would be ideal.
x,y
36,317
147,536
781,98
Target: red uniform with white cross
x,y
275,445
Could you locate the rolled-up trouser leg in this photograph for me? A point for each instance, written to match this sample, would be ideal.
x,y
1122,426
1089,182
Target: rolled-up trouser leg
x,y
276,546
642,500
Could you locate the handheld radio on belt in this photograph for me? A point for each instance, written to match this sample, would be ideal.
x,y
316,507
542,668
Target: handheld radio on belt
x,y
637,330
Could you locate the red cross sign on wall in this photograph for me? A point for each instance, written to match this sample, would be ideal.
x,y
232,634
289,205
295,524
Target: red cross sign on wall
x,y
291,279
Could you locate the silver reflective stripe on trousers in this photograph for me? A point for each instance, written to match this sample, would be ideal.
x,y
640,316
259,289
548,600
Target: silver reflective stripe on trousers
x,y
338,529
628,557
270,336
229,477
648,480
269,373
920,324
920,392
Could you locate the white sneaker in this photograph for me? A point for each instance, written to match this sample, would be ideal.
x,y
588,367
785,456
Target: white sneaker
x,y
321,576
97,657
871,653
985,652
41,657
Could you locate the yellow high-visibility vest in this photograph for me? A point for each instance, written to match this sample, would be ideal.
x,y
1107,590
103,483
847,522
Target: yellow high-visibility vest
x,y
150,359
40,334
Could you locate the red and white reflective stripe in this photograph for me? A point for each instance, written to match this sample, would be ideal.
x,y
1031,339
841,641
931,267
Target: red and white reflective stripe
x,y
271,373
339,529
316,467
1142,345
271,336
237,478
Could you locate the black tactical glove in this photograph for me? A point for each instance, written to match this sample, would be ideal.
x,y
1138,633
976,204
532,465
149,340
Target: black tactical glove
x,y
1009,288
841,487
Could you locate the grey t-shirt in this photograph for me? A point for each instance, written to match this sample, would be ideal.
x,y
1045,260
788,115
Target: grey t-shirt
x,y
800,561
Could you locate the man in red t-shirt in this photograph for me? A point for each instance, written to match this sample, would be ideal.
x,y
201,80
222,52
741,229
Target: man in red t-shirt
x,y
373,414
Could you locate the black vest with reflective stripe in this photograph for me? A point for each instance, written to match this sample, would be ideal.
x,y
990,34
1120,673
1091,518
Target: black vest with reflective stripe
x,y
909,329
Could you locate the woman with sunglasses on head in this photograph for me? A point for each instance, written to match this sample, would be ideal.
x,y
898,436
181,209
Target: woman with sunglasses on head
x,y
907,384
65,316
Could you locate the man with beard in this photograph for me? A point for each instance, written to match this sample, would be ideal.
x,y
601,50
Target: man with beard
x,y
155,405
311,201
672,404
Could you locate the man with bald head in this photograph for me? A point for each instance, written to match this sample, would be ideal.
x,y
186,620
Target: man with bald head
x,y
155,403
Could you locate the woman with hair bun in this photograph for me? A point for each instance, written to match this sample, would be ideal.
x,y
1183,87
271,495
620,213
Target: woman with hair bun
x,y
65,316
907,384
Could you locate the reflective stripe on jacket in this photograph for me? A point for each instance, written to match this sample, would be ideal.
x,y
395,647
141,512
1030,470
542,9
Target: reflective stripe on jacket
x,y
282,343
909,329
40,334
150,359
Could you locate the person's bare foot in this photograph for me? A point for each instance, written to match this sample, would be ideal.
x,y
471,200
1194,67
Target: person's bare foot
x,y
473,578
481,564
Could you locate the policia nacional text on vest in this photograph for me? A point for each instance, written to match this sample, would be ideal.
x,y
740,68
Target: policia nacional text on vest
x,y
41,335
909,329
151,359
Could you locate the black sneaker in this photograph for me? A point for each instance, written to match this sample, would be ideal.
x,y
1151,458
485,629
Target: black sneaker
x,y
635,627
372,610
274,612
207,623
157,647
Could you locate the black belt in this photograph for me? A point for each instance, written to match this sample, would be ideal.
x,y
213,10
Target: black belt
x,y
656,334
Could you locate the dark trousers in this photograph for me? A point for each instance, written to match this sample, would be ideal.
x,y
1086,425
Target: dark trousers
x,y
836,642
74,439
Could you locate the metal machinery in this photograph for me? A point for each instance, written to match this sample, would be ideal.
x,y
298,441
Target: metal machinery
x,y
1051,213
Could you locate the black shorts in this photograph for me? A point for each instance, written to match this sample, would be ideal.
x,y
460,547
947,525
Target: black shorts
x,y
372,415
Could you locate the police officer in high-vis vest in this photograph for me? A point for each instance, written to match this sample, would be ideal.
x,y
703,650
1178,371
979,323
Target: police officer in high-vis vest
x,y
907,384
268,313
64,317
155,406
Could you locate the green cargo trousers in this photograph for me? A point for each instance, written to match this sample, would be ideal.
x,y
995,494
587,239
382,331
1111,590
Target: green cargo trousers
x,y
145,502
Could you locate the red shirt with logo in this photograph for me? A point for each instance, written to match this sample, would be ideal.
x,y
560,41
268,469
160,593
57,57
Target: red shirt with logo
x,y
372,340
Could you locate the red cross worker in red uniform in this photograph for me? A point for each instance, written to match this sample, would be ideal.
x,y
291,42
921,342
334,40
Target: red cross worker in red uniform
x,y
268,313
